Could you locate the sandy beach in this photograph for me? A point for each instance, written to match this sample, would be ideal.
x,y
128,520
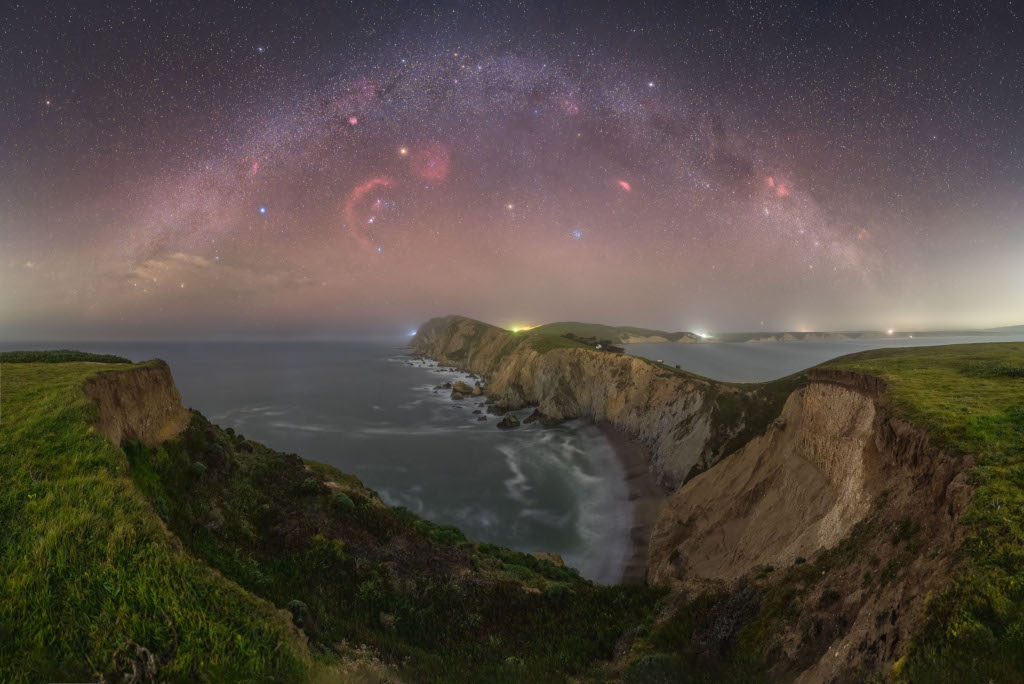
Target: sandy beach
x,y
645,494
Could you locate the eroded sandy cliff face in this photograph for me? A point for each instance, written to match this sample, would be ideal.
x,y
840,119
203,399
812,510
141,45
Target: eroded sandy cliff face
x,y
798,488
834,474
138,403
687,423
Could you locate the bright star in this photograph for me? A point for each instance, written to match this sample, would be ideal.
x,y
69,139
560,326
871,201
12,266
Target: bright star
x,y
577,234
263,210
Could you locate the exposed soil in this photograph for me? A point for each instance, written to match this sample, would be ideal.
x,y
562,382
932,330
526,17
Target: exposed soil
x,y
140,403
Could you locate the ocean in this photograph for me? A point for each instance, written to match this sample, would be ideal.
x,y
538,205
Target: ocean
x,y
370,410
762,361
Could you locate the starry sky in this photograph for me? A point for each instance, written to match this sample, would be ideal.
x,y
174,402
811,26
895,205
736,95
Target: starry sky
x,y
322,169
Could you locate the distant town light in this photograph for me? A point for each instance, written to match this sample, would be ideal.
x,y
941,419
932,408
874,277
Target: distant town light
x,y
889,331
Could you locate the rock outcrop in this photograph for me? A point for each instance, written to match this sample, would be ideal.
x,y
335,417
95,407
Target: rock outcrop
x,y
508,421
138,403
688,423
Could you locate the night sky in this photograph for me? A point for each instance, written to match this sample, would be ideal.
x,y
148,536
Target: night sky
x,y
258,169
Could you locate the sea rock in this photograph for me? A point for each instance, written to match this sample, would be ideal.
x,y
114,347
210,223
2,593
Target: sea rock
x,y
462,387
456,395
477,411
482,418
533,417
509,420
477,390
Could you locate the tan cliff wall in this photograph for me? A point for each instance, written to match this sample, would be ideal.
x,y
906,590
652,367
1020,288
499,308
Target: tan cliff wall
x,y
833,471
139,403
678,417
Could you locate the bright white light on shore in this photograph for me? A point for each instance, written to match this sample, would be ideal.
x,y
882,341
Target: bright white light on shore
x,y
412,333
701,335
889,331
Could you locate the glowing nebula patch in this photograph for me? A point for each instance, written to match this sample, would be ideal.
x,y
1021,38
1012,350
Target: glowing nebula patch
x,y
361,209
430,161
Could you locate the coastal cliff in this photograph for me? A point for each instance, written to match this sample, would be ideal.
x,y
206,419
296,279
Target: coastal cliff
x,y
835,477
834,534
688,423
139,403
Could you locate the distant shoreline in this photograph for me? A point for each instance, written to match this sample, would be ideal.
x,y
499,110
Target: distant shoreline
x,y
645,497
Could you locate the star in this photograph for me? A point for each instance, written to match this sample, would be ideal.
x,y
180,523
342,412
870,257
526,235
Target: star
x,y
263,210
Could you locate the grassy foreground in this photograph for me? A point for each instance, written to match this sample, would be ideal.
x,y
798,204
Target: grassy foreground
x,y
213,557
91,582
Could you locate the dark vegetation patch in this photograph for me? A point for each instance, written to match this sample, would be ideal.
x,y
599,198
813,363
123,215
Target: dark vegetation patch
x,y
742,412
429,601
58,356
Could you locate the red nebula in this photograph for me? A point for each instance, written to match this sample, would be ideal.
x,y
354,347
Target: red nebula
x,y
430,162
625,186
570,108
780,189
353,120
355,226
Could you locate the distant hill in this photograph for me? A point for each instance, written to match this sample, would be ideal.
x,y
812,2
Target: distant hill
x,y
1007,329
616,333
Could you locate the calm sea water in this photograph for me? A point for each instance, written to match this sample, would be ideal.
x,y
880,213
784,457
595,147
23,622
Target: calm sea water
x,y
370,410
770,360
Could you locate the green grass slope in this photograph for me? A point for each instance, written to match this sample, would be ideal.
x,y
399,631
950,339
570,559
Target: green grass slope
x,y
615,333
91,583
194,559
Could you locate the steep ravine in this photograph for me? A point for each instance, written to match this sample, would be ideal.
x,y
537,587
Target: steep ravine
x,y
688,423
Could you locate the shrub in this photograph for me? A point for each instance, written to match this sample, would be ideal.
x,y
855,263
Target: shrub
x,y
556,591
198,468
299,611
341,503
656,667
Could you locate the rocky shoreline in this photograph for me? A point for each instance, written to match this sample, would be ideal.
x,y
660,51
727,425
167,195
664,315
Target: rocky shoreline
x,y
645,493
